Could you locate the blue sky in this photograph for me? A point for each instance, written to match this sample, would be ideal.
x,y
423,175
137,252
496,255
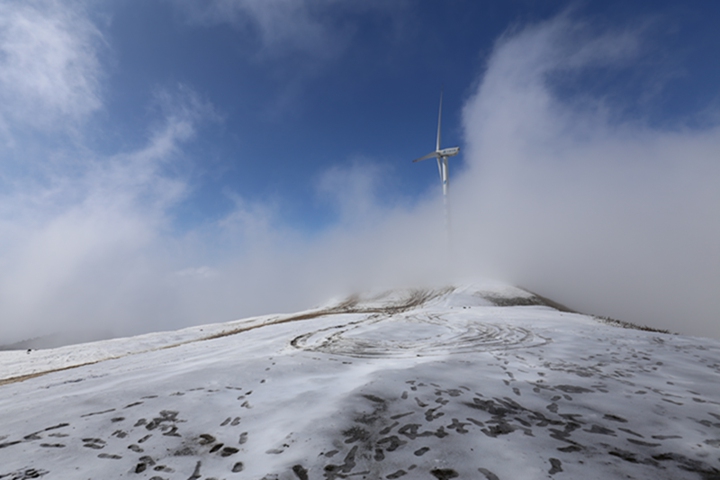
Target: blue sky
x,y
365,86
167,163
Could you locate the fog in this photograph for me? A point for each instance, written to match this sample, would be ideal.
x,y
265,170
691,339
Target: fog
x,y
609,216
557,194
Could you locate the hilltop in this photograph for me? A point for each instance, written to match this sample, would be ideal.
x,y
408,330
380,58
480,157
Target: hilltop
x,y
480,381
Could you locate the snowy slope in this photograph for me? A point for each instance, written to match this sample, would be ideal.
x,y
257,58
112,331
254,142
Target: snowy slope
x,y
410,384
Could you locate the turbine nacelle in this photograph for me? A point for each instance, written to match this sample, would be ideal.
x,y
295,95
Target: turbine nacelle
x,y
443,153
448,152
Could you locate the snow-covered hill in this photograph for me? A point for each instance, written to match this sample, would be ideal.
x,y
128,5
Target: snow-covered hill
x,y
483,381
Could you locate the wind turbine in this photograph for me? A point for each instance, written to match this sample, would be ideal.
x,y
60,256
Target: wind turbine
x,y
442,155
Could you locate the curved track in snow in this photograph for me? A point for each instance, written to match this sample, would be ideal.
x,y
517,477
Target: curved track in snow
x,y
422,335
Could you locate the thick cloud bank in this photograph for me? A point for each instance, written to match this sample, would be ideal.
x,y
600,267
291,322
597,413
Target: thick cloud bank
x,y
609,216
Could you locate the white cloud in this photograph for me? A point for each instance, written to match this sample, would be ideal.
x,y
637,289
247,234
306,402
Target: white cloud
x,y
610,216
49,66
285,25
89,249
292,41
315,29
354,191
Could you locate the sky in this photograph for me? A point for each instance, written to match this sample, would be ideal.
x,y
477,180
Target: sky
x,y
174,163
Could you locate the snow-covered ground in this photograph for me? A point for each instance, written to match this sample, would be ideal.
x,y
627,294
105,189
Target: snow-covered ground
x,y
411,384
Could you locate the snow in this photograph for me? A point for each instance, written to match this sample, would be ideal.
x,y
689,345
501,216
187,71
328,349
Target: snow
x,y
433,384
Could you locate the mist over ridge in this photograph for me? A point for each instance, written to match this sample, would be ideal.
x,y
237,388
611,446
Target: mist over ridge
x,y
613,217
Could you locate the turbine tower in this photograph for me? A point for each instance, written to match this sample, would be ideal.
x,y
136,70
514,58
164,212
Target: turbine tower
x,y
442,155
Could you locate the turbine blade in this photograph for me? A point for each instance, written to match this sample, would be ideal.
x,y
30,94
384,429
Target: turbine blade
x,y
437,145
429,155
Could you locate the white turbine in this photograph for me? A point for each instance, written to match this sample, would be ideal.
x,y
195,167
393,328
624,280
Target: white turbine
x,y
442,155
